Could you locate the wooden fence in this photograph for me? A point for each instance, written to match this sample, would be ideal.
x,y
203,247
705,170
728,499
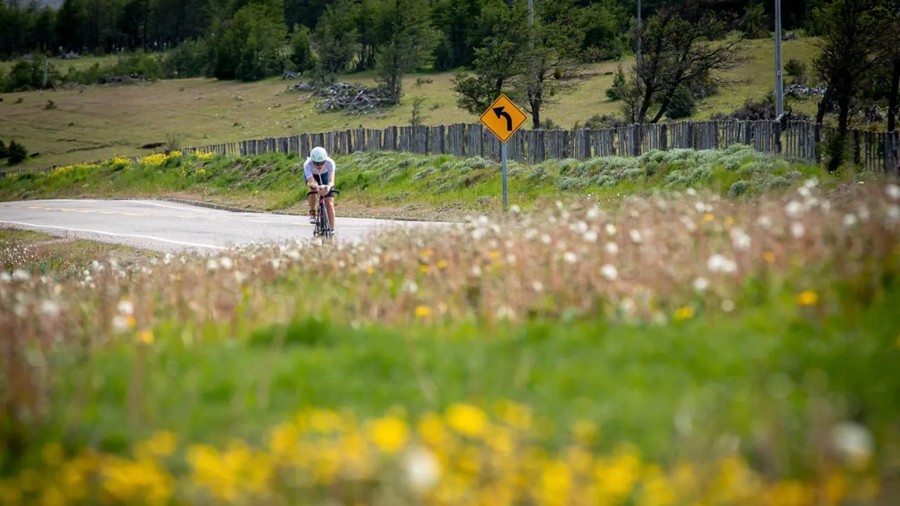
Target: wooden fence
x,y
797,140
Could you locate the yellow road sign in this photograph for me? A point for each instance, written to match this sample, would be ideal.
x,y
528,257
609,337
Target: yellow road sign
x,y
503,118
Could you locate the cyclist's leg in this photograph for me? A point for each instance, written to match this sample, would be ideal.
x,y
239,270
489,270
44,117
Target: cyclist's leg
x,y
311,198
329,207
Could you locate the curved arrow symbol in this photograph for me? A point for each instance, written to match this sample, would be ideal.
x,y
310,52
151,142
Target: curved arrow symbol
x,y
500,112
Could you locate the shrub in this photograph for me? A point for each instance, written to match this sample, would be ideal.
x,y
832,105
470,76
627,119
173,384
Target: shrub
x,y
796,69
617,90
16,152
190,59
682,104
738,188
3,151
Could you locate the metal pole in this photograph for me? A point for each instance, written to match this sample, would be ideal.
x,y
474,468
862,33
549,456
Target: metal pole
x,y
779,84
503,164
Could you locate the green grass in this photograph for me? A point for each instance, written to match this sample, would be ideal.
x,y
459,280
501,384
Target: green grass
x,y
96,123
429,187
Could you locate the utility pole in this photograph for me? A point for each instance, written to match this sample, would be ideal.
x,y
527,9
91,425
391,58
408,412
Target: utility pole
x,y
779,84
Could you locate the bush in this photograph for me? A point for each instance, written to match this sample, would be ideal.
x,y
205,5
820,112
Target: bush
x,y
3,151
682,105
16,152
796,69
190,59
617,90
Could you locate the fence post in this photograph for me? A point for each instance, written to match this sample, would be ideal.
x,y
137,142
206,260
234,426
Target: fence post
x,y
777,136
536,150
474,145
856,147
664,137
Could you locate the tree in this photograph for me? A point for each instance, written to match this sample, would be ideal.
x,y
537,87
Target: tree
x,y
249,45
499,59
456,19
679,48
16,152
551,57
410,44
851,30
335,40
301,53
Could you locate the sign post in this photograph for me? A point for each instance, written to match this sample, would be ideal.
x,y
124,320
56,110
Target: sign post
x,y
503,118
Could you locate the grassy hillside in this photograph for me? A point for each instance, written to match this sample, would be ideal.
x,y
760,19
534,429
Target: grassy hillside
x,y
100,122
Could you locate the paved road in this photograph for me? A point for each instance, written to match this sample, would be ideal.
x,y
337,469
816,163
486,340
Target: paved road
x,y
169,226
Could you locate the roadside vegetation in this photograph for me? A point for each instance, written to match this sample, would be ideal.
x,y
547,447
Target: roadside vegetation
x,y
400,185
679,348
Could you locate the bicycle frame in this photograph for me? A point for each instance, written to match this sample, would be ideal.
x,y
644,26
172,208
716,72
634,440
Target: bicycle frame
x,y
323,227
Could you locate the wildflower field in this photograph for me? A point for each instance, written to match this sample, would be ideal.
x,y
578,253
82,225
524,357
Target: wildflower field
x,y
697,346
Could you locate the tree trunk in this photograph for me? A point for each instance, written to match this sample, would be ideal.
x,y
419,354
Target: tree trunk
x,y
892,98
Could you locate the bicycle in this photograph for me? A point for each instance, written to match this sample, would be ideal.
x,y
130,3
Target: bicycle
x,y
322,227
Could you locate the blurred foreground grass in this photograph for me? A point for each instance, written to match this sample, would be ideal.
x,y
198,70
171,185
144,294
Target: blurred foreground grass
x,y
690,348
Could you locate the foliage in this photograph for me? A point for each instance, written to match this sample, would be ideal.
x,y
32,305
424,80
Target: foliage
x,y
408,46
754,24
15,152
190,59
301,51
335,39
679,48
249,46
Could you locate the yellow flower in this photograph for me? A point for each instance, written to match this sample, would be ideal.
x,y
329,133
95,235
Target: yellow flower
x,y
145,337
467,420
556,481
442,264
389,434
708,217
423,311
424,268
161,444
495,254
729,221
769,256
585,431
431,430
807,298
684,313
427,252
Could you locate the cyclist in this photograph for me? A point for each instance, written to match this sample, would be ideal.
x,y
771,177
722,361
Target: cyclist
x,y
319,173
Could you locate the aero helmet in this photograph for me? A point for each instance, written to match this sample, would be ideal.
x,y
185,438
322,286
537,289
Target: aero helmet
x,y
318,154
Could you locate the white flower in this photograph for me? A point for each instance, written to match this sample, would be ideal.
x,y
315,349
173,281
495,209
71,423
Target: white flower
x,y
853,442
537,286
49,308
276,263
727,305
211,265
609,272
21,275
476,271
764,221
863,213
593,213
410,286
719,263
849,220
892,191
120,323
125,307
797,230
545,239
422,470
692,192
701,284
569,257
590,236
610,229
612,248
893,212
739,239
635,236
793,208
580,227
5,277
515,209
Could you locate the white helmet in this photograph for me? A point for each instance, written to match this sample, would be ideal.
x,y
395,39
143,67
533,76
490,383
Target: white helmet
x,y
318,154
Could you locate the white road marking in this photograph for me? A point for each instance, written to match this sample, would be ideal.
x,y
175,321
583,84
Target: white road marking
x,y
150,237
